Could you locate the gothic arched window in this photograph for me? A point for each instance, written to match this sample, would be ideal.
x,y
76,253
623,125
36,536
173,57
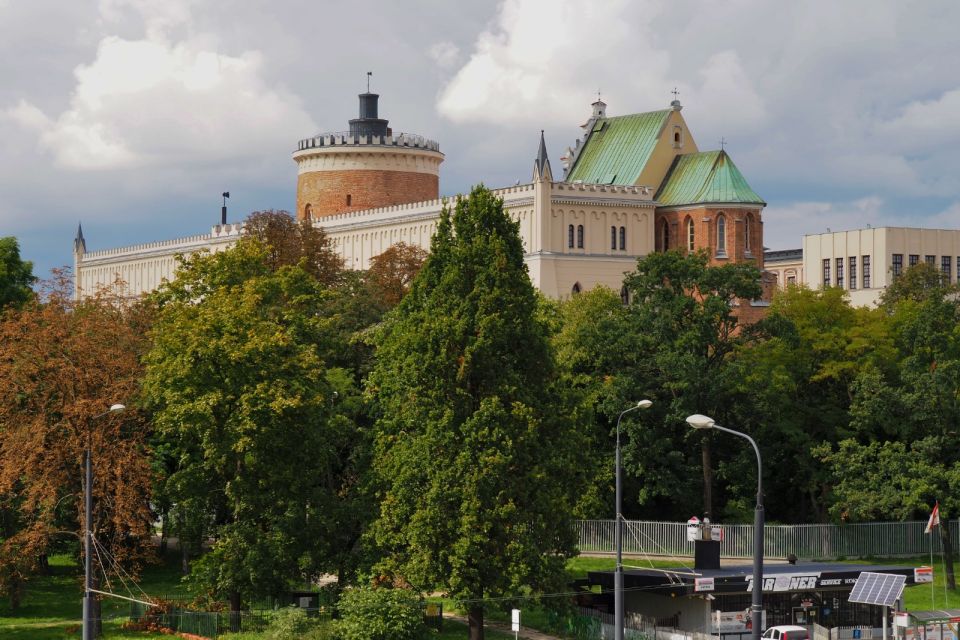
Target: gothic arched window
x,y
576,288
579,236
690,235
664,236
570,237
613,237
721,234
746,232
623,238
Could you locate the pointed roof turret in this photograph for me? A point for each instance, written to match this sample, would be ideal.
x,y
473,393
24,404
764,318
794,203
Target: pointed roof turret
x,y
79,244
541,165
703,178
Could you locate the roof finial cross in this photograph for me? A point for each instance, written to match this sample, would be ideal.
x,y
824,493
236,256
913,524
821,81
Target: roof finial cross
x,y
675,93
723,142
598,96
369,73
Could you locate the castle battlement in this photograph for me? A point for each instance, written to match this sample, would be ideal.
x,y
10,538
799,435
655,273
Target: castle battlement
x,y
217,233
347,139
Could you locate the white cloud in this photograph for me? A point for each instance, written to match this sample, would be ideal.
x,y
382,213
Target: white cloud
x,y
445,54
145,103
924,124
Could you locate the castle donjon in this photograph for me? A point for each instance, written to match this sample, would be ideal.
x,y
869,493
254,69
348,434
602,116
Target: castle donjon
x,y
631,184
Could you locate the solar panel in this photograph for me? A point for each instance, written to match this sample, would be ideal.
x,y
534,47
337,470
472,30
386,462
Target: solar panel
x,y
878,588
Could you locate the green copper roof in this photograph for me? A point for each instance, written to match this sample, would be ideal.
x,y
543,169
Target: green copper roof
x,y
709,176
618,148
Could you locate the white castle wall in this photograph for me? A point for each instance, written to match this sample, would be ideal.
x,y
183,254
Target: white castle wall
x,y
544,210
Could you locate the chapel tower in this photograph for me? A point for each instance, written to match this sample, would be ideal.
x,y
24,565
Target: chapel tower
x,y
366,167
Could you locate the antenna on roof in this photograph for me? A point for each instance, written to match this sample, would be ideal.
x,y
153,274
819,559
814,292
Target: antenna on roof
x,y
369,73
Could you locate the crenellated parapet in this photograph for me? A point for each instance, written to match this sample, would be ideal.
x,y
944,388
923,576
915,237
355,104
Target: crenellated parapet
x,y
347,139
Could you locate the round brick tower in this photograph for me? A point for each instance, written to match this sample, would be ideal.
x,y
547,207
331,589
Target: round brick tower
x,y
365,167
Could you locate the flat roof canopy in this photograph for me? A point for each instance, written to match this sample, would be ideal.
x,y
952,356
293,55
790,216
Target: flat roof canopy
x,y
938,615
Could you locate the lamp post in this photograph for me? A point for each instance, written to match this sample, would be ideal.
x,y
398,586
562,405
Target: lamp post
x,y
618,533
88,626
698,421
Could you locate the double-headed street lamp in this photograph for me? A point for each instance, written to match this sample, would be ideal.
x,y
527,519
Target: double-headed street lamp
x,y
88,625
698,421
618,533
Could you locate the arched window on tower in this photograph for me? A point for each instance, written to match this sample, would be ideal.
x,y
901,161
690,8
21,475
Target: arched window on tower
x,y
746,232
579,236
576,288
691,236
721,235
570,237
308,212
613,237
664,235
623,238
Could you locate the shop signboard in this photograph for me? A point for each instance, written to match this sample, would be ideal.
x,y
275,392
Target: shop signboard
x,y
923,574
735,621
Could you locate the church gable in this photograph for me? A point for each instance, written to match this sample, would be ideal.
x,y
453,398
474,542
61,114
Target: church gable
x,y
707,177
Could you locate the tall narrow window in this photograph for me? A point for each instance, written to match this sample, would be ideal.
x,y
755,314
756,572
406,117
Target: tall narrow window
x,y
914,259
690,235
866,272
664,236
721,235
308,212
826,272
839,272
746,233
570,237
897,265
623,238
579,236
853,272
349,199
930,260
613,237
624,295
946,268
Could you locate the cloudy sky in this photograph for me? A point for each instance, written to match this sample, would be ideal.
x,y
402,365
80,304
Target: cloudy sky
x,y
133,115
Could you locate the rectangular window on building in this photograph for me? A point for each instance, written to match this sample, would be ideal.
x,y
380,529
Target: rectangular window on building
x,y
866,272
931,260
826,272
791,279
914,259
853,272
897,265
840,272
946,268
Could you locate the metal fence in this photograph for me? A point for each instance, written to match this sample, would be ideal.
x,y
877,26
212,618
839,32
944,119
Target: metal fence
x,y
806,541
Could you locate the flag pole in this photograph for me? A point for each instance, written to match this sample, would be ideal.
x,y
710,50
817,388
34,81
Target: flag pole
x,y
943,556
933,591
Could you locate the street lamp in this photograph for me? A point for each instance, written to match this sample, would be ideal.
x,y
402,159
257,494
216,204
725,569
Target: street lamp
x,y
88,625
618,533
698,421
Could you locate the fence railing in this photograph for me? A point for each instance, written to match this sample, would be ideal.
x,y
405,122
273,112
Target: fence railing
x,y
806,541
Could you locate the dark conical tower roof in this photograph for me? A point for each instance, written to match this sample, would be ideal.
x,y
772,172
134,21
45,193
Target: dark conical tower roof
x,y
79,244
541,165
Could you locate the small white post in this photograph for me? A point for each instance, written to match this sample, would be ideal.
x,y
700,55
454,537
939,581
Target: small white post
x,y
515,623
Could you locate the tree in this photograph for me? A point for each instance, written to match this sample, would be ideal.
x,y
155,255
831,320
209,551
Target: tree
x,y
473,461
289,242
61,364
798,380
392,272
16,275
255,418
918,283
685,330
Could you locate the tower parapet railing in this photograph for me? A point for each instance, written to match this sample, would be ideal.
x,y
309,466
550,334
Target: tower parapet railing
x,y
345,138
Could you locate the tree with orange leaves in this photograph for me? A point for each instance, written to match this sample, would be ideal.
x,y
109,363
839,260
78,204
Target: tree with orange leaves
x,y
62,363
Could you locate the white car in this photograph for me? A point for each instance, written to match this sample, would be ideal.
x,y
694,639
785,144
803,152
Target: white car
x,y
787,632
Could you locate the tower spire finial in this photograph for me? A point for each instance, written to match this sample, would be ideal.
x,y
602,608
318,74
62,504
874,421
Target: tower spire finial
x,y
541,165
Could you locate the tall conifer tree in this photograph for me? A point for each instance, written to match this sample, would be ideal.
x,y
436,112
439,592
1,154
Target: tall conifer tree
x,y
476,463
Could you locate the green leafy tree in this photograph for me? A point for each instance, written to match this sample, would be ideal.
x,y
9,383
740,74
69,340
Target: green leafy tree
x,y
685,329
918,283
380,614
254,418
473,460
798,379
16,275
288,242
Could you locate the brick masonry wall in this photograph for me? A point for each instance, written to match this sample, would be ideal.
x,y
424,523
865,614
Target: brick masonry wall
x,y
326,192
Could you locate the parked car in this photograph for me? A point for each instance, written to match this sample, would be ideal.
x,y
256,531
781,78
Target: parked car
x,y
786,632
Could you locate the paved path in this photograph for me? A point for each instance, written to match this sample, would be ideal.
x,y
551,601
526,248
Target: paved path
x,y
529,634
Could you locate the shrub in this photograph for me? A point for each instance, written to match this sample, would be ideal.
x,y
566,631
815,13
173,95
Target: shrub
x,y
379,614
292,623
